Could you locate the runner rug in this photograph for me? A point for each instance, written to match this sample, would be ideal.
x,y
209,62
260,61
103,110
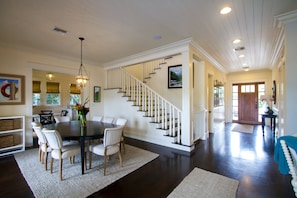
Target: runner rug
x,y
74,184
244,128
205,184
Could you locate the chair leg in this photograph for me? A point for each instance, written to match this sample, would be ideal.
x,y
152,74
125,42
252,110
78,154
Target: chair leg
x,y
52,162
120,157
39,154
90,160
85,161
45,163
122,144
104,165
60,168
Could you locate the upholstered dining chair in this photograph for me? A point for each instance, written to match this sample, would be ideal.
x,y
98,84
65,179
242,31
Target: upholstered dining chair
x,y
110,146
122,122
97,118
44,149
107,119
60,151
62,119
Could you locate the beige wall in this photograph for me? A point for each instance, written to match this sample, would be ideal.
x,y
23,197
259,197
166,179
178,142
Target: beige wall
x,y
242,77
21,63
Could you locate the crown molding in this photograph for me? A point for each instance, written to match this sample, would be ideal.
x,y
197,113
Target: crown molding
x,y
208,56
280,20
163,51
160,52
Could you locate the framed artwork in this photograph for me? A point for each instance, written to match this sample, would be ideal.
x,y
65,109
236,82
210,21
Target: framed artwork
x,y
12,89
97,94
274,92
175,76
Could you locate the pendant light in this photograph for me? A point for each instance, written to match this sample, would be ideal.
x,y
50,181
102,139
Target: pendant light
x,y
81,78
49,76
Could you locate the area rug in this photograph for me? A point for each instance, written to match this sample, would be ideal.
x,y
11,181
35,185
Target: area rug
x,y
244,128
205,184
74,184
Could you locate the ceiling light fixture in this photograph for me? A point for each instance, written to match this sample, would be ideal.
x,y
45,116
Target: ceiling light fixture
x,y
238,49
225,10
246,68
49,76
236,41
241,56
80,78
59,30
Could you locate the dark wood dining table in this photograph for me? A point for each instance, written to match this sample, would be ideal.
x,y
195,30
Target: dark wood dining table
x,y
74,131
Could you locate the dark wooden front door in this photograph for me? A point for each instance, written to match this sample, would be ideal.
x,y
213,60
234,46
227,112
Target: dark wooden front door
x,y
248,104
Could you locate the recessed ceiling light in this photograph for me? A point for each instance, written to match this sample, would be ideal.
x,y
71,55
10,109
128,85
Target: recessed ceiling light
x,y
241,56
246,68
236,41
225,10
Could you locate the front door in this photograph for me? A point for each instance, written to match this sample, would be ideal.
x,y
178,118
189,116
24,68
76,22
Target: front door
x,y
248,103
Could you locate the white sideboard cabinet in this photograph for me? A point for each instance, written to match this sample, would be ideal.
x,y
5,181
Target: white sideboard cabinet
x,y
12,134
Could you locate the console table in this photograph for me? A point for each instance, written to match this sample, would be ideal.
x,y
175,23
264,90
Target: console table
x,y
272,118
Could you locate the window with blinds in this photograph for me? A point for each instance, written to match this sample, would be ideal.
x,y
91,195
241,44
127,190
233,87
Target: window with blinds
x,y
52,87
36,87
74,95
74,89
52,93
36,91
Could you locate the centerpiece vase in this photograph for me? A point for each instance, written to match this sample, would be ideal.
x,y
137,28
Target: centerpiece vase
x,y
83,117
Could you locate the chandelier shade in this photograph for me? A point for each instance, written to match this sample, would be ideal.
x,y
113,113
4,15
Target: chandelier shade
x,y
82,77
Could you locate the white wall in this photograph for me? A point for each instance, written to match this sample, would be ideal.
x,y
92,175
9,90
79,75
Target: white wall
x,y
21,63
138,126
159,83
291,79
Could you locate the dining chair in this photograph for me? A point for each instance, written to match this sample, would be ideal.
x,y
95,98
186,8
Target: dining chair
x,y
97,118
107,119
60,151
62,119
122,122
44,149
110,146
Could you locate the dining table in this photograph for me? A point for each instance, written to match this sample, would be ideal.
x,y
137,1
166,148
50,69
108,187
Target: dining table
x,y
74,131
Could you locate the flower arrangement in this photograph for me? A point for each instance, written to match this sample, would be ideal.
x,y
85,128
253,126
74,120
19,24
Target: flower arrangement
x,y
266,99
82,112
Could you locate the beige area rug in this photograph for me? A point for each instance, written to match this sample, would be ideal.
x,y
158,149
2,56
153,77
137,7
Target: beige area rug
x,y
205,184
244,128
74,184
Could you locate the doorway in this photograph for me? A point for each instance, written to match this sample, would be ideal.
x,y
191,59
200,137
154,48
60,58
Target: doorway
x,y
246,102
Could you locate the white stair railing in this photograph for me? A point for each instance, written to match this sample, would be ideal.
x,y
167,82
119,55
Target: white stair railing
x,y
154,105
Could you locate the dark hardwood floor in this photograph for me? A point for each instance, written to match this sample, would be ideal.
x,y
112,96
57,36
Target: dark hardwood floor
x,y
247,158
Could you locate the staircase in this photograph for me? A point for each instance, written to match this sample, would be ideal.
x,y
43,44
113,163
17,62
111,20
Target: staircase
x,y
161,112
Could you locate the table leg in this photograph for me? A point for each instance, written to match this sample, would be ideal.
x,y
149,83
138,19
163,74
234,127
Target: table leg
x,y
274,125
82,154
263,124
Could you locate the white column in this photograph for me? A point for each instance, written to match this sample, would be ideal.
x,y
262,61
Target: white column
x,y
187,124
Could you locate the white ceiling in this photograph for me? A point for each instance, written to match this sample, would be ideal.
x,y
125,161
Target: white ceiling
x,y
114,29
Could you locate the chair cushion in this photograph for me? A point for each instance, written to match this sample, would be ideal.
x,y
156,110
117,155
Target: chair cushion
x,y
67,151
99,149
